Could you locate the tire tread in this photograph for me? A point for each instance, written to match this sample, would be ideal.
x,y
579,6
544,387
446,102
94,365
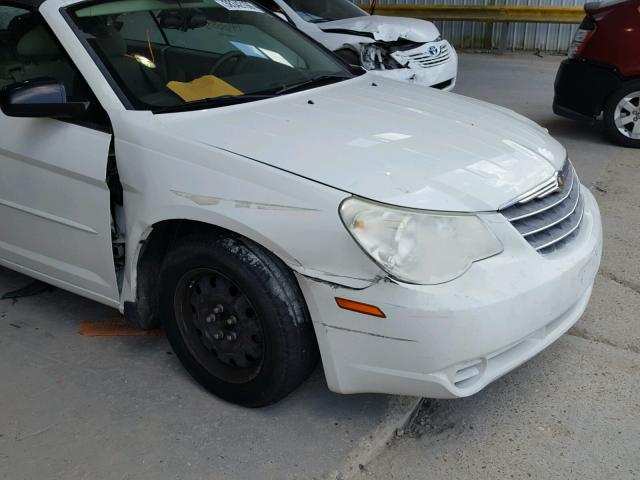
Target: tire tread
x,y
291,367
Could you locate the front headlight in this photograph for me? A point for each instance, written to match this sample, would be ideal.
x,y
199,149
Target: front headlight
x,y
415,246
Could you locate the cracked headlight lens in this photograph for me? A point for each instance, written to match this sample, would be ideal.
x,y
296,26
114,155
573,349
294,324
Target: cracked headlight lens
x,y
417,246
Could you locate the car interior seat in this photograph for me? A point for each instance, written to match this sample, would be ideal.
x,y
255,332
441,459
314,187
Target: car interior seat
x,y
38,56
141,79
17,27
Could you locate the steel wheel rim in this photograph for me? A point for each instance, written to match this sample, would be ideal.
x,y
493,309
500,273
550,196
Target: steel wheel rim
x,y
627,116
219,325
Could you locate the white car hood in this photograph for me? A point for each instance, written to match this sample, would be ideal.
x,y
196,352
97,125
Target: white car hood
x,y
387,29
388,141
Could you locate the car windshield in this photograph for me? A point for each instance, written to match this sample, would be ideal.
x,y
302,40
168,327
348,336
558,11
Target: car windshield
x,y
318,11
166,55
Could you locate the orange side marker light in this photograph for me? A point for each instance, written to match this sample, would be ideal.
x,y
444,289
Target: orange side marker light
x,y
360,307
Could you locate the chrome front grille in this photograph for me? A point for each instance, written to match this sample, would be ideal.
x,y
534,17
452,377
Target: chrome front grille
x,y
426,60
549,219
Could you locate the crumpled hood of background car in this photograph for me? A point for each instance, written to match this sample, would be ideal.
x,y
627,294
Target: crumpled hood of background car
x,y
388,29
388,141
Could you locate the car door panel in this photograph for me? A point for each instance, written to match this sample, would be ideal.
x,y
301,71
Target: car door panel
x,y
55,219
54,203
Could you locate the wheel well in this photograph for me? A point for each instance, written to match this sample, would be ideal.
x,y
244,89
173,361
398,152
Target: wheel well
x,y
623,83
144,313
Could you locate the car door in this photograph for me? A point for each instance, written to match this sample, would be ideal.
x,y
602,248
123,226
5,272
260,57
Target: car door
x,y
55,220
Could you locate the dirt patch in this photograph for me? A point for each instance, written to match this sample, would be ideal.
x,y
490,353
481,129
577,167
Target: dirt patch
x,y
434,417
115,327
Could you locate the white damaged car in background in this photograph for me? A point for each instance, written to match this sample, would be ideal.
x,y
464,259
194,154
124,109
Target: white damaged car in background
x,y
400,48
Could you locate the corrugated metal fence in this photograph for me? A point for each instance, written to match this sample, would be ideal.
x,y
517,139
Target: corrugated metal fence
x,y
521,36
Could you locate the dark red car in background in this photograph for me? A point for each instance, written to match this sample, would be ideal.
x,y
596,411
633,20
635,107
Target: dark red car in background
x,y
602,74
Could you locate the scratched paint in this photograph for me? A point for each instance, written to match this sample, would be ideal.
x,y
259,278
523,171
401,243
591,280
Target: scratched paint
x,y
205,200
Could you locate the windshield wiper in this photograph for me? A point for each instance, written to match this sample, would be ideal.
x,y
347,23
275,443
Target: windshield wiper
x,y
213,102
312,82
226,100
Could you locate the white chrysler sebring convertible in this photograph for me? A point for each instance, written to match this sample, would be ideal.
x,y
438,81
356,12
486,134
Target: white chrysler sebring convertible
x,y
205,166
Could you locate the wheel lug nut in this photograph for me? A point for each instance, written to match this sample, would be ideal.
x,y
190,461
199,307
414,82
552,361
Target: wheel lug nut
x,y
218,309
219,335
232,337
210,318
232,320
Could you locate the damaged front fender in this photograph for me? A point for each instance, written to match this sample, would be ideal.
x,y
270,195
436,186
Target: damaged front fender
x,y
386,29
336,281
405,54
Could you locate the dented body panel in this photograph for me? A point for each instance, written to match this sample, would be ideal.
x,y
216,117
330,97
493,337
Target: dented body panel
x,y
387,29
172,177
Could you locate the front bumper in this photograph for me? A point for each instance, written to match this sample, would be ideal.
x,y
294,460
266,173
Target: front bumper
x,y
582,88
438,75
451,340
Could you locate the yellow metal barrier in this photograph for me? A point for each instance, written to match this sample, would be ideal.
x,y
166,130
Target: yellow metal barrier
x,y
483,13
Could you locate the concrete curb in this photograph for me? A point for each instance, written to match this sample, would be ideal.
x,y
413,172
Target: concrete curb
x,y
401,411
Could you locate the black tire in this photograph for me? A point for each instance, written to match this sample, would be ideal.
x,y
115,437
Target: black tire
x,y
609,114
272,326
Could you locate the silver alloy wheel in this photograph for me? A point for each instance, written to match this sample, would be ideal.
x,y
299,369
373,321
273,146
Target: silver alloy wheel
x,y
627,115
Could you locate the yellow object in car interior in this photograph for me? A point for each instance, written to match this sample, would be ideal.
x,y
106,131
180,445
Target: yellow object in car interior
x,y
208,86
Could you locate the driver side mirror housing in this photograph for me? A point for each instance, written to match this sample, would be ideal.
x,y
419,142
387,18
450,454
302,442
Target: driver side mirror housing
x,y
41,98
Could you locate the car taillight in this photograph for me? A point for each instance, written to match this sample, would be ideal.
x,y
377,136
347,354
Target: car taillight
x,y
585,32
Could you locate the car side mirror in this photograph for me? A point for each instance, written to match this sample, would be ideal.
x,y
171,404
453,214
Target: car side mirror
x,y
40,98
